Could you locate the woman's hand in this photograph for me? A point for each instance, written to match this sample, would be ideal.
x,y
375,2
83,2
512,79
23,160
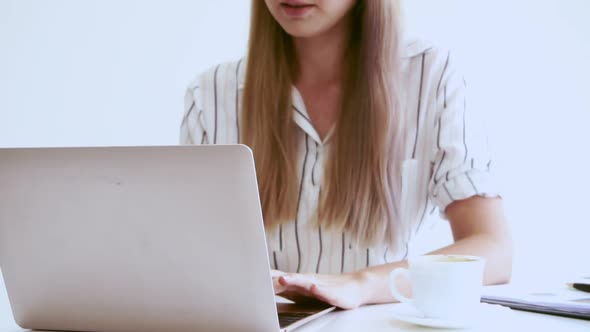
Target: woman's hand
x,y
345,291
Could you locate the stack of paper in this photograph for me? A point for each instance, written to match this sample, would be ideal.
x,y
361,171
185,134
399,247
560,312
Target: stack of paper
x,y
563,301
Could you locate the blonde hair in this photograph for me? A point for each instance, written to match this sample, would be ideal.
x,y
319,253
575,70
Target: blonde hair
x,y
361,190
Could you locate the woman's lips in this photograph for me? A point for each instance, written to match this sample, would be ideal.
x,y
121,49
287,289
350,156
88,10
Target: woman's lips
x,y
296,9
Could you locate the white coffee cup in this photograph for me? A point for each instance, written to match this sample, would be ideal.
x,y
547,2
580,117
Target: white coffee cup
x,y
443,286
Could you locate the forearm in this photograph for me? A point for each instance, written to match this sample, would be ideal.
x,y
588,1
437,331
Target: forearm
x,y
496,250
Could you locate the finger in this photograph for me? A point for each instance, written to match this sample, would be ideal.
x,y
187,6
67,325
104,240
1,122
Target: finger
x,y
296,296
276,273
299,297
282,284
321,295
299,290
297,280
278,288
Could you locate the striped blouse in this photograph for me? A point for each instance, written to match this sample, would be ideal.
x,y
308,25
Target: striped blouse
x,y
447,157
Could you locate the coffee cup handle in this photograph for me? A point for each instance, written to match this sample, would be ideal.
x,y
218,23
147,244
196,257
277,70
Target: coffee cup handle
x,y
400,271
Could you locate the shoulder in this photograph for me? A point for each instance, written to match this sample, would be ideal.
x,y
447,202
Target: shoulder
x,y
215,94
429,56
417,49
427,63
220,78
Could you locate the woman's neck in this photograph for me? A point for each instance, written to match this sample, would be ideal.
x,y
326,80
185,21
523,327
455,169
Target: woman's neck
x,y
321,58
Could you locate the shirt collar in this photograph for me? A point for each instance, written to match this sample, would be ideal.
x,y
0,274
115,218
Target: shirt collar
x,y
302,118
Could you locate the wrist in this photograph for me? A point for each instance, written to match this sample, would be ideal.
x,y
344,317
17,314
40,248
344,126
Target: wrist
x,y
374,283
365,281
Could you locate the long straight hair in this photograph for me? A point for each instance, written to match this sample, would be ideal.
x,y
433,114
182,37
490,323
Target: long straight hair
x,y
362,180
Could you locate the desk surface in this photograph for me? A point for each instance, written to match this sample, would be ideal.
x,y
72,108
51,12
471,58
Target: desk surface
x,y
378,318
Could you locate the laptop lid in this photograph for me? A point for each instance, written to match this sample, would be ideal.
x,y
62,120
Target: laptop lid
x,y
134,238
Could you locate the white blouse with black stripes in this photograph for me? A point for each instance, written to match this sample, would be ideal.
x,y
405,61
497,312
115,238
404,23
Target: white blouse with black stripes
x,y
447,157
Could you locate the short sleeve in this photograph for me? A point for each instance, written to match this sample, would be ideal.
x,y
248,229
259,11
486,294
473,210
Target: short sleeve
x,y
192,128
462,160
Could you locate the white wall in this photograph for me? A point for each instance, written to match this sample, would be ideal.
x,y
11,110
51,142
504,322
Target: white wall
x,y
527,65
113,73
107,72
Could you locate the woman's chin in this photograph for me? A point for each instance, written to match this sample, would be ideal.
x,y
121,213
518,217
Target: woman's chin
x,y
302,30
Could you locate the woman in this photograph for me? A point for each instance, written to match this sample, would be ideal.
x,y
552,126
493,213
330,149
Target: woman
x,y
357,139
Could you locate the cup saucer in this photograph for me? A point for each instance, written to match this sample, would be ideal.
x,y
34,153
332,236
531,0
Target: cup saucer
x,y
408,314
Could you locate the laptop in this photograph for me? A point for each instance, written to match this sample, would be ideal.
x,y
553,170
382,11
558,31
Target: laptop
x,y
137,239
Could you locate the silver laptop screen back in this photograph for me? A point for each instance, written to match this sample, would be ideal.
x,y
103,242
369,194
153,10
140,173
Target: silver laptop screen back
x,y
128,239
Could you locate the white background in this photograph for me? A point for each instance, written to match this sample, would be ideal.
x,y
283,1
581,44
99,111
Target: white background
x,y
527,64
76,73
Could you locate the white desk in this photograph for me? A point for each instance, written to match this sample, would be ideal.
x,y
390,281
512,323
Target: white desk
x,y
377,318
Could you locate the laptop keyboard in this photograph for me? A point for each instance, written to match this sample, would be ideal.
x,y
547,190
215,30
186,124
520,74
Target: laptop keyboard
x,y
288,318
